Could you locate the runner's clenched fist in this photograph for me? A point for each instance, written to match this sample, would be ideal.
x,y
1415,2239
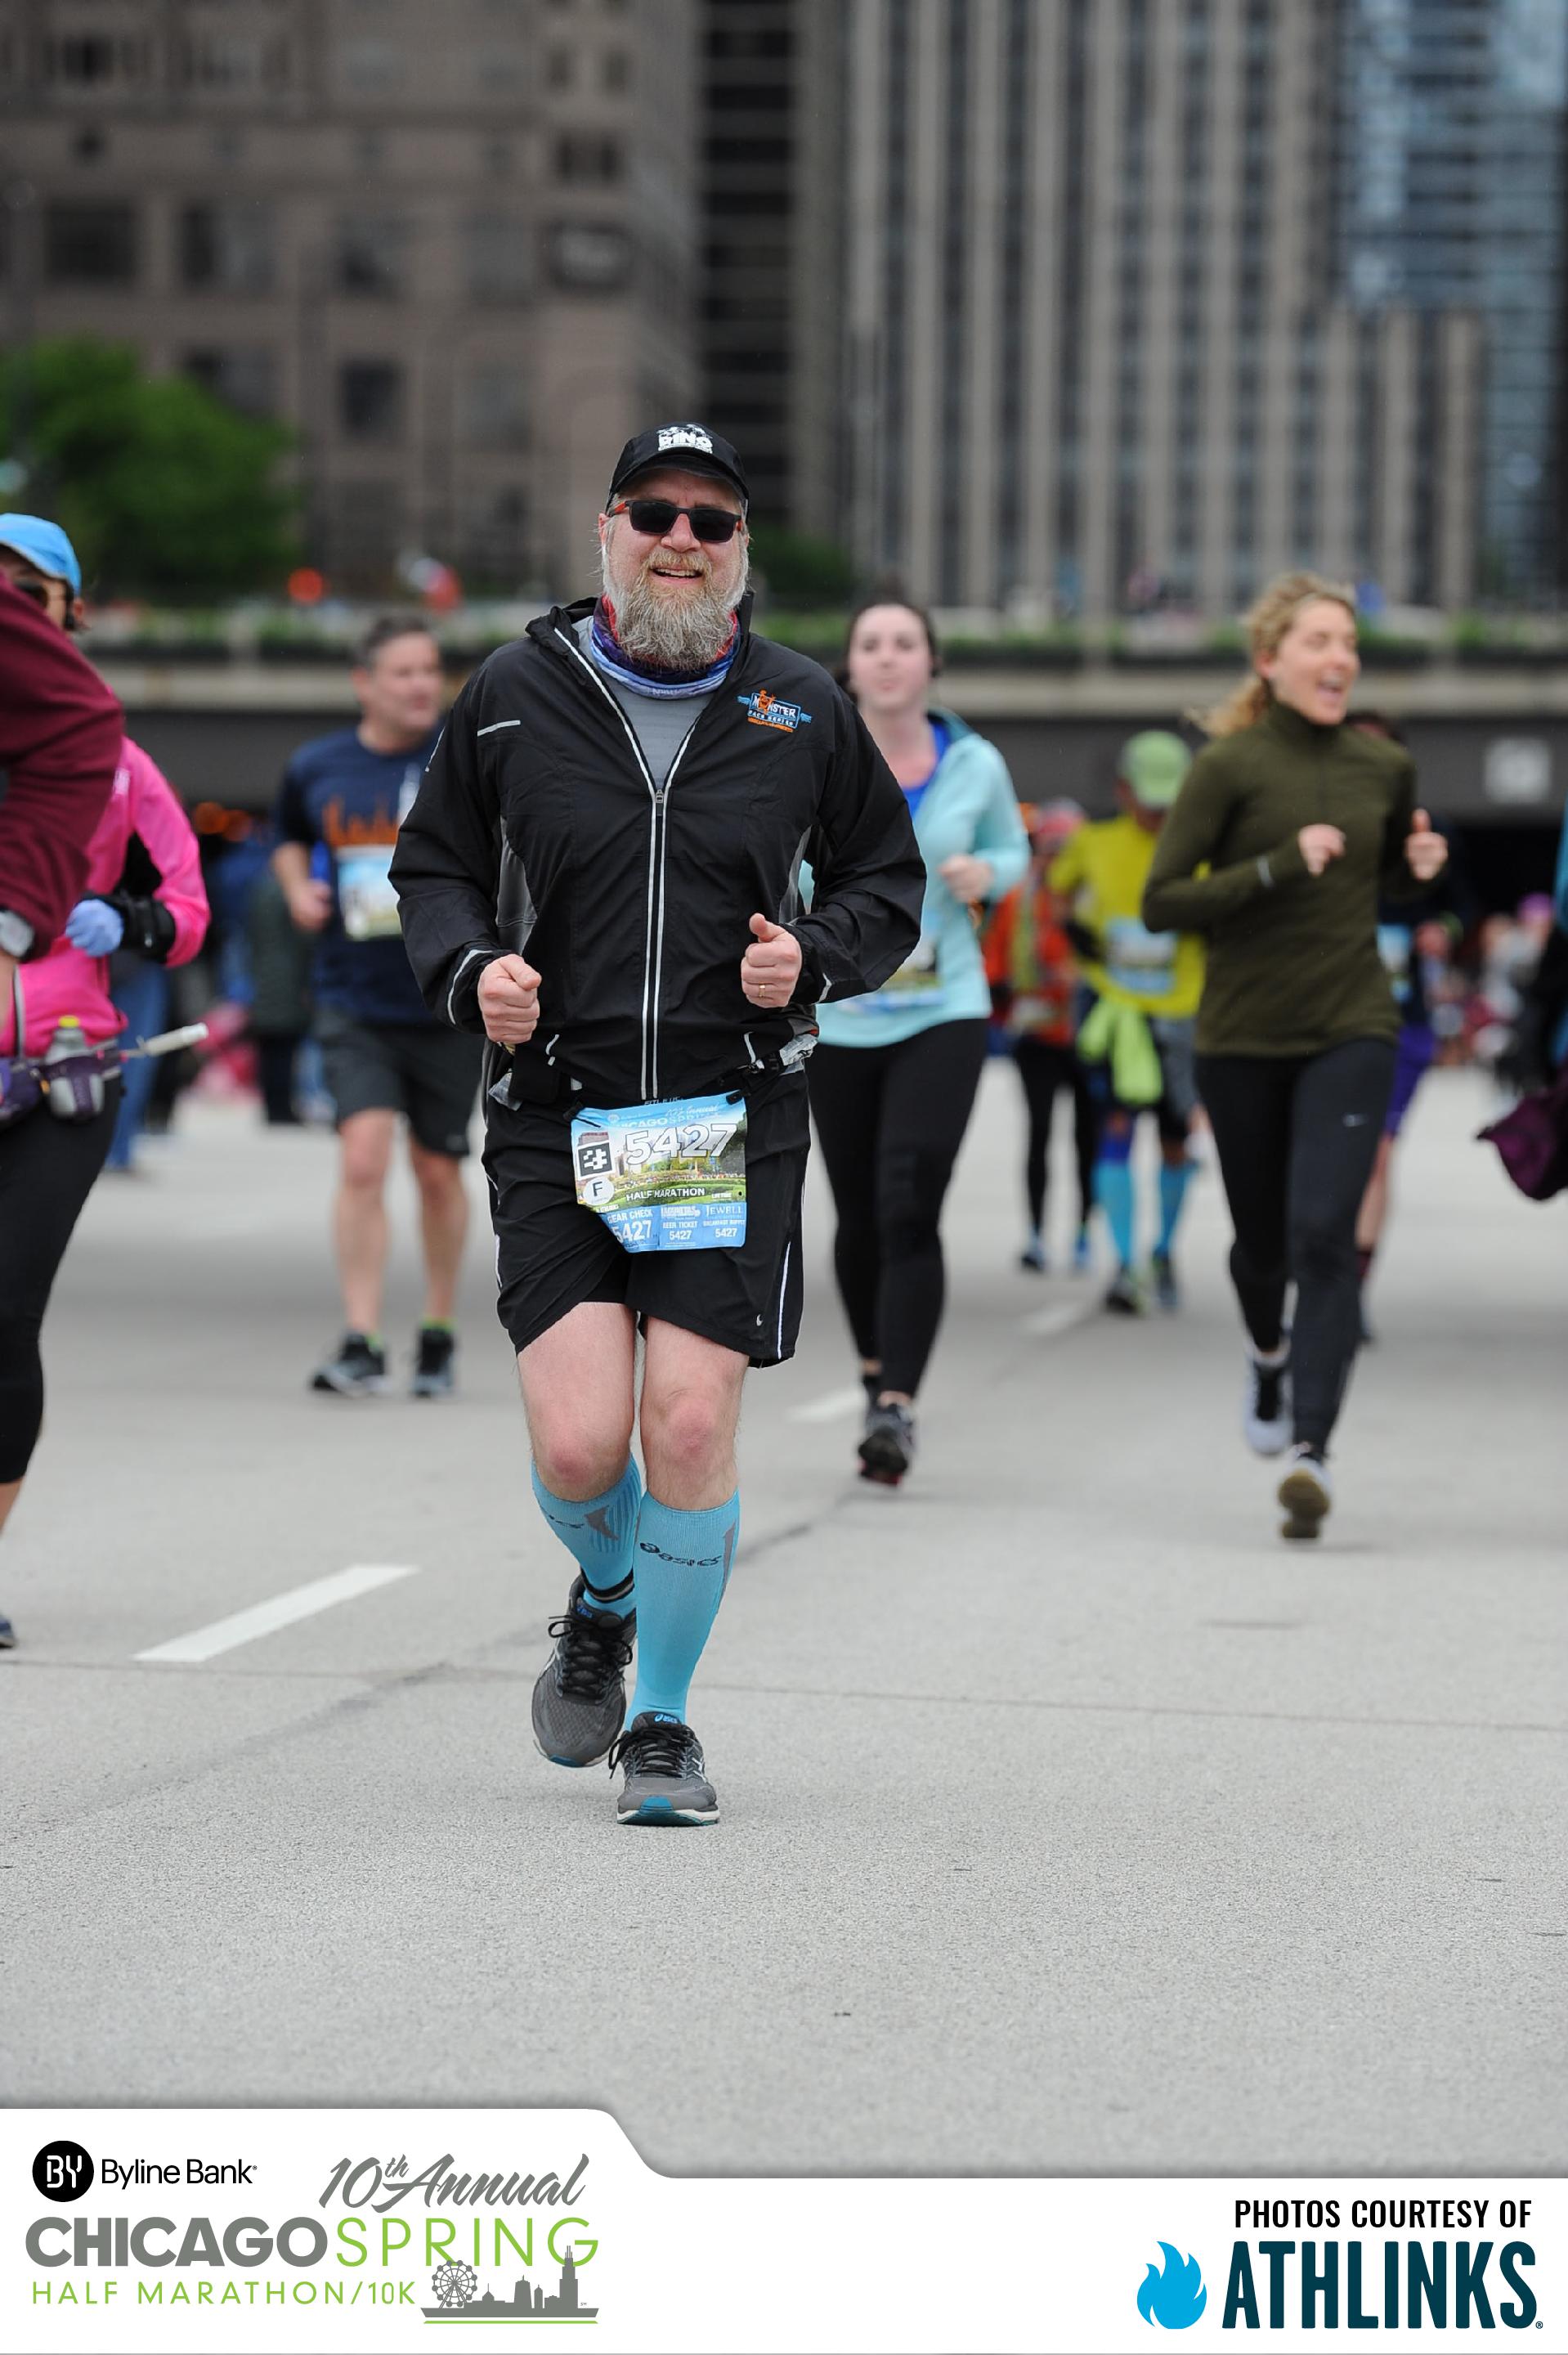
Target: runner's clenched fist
x,y
1425,851
771,966
509,1000
1320,844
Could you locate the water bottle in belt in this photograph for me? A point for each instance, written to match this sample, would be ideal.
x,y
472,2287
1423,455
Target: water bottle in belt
x,y
73,1072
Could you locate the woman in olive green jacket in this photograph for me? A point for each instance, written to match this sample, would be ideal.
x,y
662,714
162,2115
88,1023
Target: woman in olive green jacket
x,y
1288,829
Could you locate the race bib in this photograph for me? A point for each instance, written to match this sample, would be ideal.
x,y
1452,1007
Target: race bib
x,y
365,892
665,1177
917,987
1140,961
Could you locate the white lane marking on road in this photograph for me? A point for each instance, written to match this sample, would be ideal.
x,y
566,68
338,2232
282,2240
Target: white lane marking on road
x,y
1044,1324
299,1602
831,1407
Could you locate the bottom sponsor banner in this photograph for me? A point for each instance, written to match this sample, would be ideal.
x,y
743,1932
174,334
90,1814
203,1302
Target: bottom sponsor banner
x,y
371,2229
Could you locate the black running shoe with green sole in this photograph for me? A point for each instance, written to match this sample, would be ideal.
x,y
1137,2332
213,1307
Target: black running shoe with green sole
x,y
435,1363
666,1782
579,1699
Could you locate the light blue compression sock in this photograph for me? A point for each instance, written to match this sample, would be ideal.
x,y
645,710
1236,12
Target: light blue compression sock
x,y
683,1563
1174,1184
1113,1192
598,1534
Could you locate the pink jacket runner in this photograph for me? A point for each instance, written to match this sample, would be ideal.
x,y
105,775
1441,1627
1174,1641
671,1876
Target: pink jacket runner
x,y
67,981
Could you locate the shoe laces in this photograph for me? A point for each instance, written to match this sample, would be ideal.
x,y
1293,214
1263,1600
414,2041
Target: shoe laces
x,y
655,1747
591,1652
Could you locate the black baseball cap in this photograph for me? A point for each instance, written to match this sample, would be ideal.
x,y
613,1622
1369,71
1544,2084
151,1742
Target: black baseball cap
x,y
695,448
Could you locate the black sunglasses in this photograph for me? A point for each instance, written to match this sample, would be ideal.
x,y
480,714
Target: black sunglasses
x,y
38,590
713,526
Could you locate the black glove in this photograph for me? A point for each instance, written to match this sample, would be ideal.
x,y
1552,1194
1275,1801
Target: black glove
x,y
149,927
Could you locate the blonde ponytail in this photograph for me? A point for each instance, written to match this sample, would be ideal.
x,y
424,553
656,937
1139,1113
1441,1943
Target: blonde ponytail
x,y
1266,625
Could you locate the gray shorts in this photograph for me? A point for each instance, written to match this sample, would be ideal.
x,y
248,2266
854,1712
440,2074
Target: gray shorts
x,y
420,1068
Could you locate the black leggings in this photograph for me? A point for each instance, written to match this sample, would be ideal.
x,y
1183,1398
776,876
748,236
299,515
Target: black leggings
x,y
1044,1067
1296,1136
890,1121
47,1172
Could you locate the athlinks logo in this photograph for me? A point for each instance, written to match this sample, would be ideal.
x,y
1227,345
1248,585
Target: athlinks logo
x,y
1174,2294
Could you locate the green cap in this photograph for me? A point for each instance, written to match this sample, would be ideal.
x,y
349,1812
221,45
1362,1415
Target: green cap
x,y
1154,764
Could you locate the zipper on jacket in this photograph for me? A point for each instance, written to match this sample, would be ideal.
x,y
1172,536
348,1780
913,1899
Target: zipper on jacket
x,y
654,925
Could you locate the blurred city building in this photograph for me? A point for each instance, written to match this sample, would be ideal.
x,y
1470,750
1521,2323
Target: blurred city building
x,y
773,250
1050,308
452,241
1450,195
1149,298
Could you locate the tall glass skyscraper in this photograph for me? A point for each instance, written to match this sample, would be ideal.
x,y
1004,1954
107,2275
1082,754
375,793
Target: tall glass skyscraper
x,y
1450,195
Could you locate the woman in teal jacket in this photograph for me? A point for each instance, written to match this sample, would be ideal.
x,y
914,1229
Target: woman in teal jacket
x,y
893,1081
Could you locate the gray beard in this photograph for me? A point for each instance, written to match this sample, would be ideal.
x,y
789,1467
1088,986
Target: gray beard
x,y
674,636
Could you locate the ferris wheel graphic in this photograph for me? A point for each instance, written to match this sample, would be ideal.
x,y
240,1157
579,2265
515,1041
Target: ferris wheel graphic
x,y
454,2283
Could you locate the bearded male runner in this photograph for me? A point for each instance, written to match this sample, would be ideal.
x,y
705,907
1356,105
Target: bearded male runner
x,y
600,871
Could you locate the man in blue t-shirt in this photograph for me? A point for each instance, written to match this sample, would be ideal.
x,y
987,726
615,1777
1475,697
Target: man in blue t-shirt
x,y
342,800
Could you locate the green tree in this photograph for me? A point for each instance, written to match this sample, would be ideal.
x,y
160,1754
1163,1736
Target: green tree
x,y
165,490
801,571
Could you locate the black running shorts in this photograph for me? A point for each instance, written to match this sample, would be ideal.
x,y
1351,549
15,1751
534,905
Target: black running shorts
x,y
421,1069
551,1253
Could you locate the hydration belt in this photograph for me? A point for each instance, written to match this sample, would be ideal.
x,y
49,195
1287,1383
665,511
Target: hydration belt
x,y
517,1082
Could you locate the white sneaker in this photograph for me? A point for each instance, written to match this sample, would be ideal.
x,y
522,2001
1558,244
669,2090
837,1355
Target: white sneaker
x,y
1307,1494
1266,1406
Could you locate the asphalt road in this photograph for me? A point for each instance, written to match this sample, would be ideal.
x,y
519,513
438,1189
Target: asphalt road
x,y
1072,1823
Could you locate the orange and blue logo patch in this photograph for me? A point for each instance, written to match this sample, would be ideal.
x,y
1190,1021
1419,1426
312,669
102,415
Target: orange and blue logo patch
x,y
765,710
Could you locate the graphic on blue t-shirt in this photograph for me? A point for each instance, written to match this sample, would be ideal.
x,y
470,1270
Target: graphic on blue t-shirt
x,y
344,804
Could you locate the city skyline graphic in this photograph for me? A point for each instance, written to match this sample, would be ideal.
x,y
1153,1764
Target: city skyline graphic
x,y
456,2288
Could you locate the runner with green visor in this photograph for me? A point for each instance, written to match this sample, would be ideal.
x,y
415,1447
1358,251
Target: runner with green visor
x,y
1143,988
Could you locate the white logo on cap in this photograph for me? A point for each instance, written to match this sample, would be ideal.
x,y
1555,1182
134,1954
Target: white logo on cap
x,y
685,437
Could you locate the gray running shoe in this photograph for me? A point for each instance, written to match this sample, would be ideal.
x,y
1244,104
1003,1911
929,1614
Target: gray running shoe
x,y
665,1780
358,1370
435,1363
580,1700
1307,1494
888,1449
1167,1291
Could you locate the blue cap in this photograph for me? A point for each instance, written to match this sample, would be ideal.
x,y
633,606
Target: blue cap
x,y
44,545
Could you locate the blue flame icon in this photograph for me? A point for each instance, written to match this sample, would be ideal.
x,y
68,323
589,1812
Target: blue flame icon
x,y
1175,2296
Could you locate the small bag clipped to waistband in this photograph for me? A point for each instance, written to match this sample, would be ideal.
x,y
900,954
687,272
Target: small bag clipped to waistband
x,y
20,1092
525,1077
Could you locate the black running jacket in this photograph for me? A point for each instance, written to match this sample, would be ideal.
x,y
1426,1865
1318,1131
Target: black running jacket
x,y
538,830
